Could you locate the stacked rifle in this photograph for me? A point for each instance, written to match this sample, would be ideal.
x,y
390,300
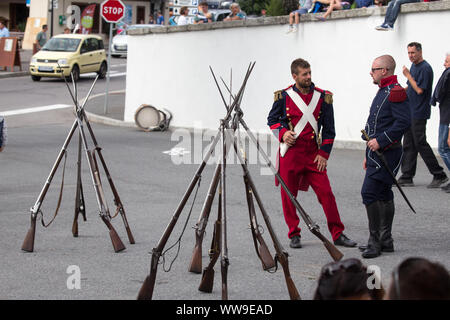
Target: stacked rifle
x,y
227,134
81,119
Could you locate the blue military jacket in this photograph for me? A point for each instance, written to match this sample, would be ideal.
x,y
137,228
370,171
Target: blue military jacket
x,y
388,120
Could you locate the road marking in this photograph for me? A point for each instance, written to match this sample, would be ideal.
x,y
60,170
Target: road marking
x,y
176,152
34,109
118,65
112,74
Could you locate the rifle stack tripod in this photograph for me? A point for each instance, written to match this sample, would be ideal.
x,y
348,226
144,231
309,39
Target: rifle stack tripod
x,y
227,134
28,244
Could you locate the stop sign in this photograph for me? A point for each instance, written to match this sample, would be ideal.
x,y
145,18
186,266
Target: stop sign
x,y
112,10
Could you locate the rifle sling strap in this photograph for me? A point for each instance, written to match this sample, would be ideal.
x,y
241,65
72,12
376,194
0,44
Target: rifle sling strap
x,y
60,195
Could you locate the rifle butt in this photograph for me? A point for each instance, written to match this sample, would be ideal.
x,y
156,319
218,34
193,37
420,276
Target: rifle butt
x,y
196,261
292,289
28,242
130,235
331,248
207,283
266,258
115,239
75,228
293,293
334,252
224,269
146,291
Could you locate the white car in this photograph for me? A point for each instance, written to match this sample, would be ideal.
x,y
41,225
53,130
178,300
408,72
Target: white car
x,y
119,45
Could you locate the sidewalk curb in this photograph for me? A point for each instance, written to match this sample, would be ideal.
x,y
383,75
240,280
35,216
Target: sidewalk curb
x,y
14,74
92,117
96,118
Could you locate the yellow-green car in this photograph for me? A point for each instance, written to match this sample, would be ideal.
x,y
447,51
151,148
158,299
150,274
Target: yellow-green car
x,y
69,53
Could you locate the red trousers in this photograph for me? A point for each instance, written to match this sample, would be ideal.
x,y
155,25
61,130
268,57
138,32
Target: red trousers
x,y
298,170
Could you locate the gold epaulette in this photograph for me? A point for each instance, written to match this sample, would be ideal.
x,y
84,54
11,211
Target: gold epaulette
x,y
277,95
328,97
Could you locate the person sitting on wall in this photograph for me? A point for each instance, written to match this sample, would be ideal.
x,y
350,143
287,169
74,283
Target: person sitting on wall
x,y
332,5
172,21
303,7
392,12
235,14
160,18
203,15
183,19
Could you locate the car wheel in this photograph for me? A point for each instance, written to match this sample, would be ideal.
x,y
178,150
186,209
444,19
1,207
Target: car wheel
x,y
35,78
76,73
102,71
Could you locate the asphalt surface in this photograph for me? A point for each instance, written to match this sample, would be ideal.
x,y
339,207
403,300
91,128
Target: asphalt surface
x,y
151,185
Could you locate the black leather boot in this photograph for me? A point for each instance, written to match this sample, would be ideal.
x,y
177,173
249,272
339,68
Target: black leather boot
x,y
373,249
387,218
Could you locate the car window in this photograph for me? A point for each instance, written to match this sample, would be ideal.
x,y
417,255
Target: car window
x,y
85,46
93,44
61,44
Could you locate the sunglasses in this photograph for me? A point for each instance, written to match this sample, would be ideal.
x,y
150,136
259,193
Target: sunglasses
x,y
375,69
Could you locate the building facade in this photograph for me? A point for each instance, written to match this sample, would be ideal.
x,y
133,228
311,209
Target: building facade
x,y
28,16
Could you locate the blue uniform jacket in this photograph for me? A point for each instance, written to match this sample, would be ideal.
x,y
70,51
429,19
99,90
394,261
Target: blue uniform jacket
x,y
388,120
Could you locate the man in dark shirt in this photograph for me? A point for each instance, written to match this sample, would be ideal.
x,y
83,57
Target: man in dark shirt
x,y
420,82
442,96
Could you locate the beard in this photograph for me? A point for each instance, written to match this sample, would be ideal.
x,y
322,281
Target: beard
x,y
305,84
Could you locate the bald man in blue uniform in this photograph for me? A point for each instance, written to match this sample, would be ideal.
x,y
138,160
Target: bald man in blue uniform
x,y
388,120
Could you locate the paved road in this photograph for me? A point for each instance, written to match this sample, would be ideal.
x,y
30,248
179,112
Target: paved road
x,y
23,93
151,184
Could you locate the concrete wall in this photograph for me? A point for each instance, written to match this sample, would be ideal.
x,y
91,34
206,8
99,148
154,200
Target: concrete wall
x,y
169,68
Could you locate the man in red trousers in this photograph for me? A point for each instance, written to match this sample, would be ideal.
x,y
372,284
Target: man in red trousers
x,y
299,113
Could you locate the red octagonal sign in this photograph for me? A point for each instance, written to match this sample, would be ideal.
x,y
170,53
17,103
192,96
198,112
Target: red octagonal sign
x,y
112,10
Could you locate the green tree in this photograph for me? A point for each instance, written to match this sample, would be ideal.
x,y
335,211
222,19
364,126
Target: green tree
x,y
275,8
290,5
253,6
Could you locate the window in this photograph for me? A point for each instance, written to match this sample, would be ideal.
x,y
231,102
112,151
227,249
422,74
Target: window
x,y
85,46
93,44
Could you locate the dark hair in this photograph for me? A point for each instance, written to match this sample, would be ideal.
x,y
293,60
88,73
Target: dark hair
x,y
417,45
299,63
184,9
44,26
419,278
204,3
345,279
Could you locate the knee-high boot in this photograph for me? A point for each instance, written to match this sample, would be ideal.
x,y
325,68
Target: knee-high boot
x,y
387,218
374,212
